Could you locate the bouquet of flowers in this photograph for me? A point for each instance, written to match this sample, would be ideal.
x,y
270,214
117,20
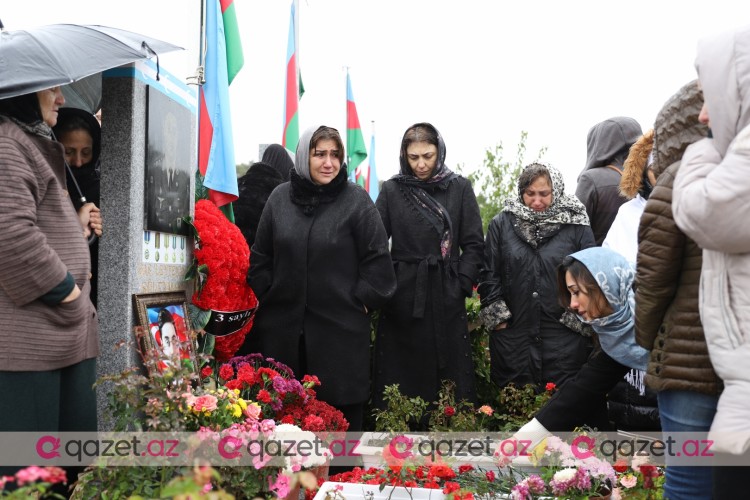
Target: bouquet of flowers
x,y
464,483
272,386
638,480
565,476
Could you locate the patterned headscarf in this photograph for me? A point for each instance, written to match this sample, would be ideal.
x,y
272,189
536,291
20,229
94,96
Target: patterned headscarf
x,y
428,206
564,209
615,276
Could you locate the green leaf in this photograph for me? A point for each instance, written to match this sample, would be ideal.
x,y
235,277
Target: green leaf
x,y
198,317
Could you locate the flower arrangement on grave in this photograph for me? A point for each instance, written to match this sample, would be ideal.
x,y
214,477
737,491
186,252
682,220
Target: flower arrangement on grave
x,y
222,299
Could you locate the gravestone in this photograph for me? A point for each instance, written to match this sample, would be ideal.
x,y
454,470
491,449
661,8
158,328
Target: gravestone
x,y
129,260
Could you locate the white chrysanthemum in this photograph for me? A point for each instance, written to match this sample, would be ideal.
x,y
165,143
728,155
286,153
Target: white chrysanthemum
x,y
565,475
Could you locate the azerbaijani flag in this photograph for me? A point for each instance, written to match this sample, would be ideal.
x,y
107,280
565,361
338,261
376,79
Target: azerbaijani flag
x,y
215,145
355,143
294,88
372,178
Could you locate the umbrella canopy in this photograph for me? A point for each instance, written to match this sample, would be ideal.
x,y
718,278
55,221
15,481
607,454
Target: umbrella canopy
x,y
59,54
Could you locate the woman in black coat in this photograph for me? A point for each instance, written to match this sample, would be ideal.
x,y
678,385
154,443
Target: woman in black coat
x,y
319,264
529,344
432,217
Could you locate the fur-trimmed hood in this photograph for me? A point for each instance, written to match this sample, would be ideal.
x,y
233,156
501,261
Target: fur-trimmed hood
x,y
634,168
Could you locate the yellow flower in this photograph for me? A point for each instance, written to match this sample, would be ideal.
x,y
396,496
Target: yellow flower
x,y
242,403
236,411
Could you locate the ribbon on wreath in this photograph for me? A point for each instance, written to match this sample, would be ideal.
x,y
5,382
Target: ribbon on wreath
x,y
223,323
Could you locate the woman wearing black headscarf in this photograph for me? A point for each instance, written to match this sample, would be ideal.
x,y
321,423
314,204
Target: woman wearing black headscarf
x,y
432,217
80,134
319,265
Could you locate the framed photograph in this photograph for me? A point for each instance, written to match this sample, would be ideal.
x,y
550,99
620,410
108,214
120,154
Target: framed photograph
x,y
168,167
164,328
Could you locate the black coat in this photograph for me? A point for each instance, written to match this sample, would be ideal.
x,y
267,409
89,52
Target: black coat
x,y
535,348
424,325
313,276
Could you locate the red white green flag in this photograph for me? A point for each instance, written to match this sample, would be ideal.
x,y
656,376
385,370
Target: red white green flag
x,y
356,151
215,142
294,88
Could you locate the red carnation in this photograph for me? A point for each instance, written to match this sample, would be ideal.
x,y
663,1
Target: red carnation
x,y
226,371
449,411
451,487
490,476
264,396
620,466
550,386
221,247
206,372
465,468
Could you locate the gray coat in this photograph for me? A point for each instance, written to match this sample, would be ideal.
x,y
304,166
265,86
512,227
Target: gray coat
x,y
711,203
43,241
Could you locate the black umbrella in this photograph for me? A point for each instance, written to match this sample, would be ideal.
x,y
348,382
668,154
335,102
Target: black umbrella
x,y
59,54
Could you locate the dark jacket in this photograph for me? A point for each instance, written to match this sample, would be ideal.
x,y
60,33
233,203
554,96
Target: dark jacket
x,y
423,334
581,401
535,348
667,319
313,276
254,189
608,143
87,177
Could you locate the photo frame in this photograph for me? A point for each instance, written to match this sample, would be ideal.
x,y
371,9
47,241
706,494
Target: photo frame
x,y
164,329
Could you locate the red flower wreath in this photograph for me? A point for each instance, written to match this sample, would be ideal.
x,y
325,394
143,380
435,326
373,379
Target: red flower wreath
x,y
222,249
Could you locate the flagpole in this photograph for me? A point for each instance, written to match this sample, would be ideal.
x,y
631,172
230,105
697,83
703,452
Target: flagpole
x,y
199,78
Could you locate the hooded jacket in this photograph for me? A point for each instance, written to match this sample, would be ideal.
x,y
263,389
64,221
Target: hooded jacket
x,y
711,203
667,321
608,144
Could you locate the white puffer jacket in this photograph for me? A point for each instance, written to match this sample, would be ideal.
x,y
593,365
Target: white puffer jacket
x,y
711,203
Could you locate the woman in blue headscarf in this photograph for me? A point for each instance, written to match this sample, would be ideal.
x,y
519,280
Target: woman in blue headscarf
x,y
597,285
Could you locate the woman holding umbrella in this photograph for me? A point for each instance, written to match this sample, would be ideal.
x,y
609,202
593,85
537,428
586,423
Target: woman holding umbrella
x,y
50,338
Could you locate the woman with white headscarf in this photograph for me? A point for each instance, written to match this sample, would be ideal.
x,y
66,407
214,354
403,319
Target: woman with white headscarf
x,y
319,265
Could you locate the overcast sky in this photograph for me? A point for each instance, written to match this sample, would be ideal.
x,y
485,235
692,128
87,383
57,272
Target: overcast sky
x,y
480,71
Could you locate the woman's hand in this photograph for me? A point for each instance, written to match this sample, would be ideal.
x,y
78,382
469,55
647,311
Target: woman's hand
x,y
501,326
73,295
91,219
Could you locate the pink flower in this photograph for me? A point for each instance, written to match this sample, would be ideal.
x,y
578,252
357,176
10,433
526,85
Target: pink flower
x,y
252,411
203,403
487,410
46,474
281,486
628,480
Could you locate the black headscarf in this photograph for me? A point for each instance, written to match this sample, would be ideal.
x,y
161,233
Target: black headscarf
x,y
418,189
86,176
278,157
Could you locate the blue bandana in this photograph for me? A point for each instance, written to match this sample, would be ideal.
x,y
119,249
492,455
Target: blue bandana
x,y
615,276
